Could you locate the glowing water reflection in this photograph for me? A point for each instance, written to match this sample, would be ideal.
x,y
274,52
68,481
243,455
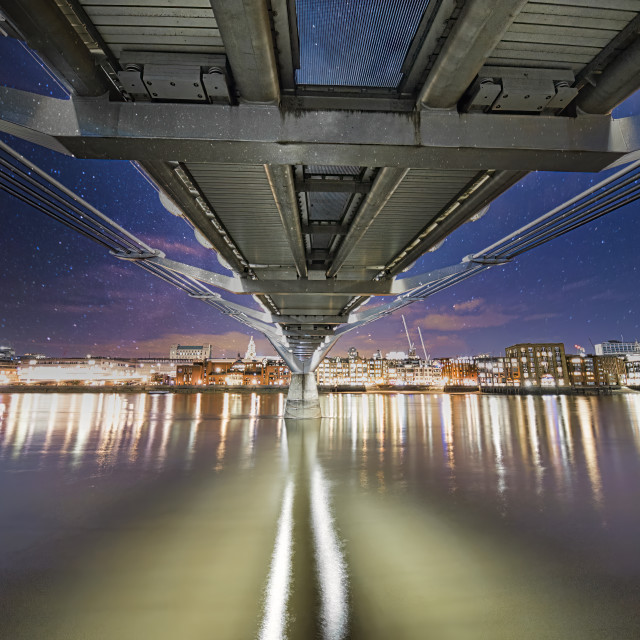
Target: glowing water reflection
x,y
369,483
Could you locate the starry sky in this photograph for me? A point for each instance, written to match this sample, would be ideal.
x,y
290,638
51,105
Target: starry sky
x,y
63,295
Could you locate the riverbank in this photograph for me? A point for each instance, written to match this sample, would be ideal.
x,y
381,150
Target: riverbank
x,y
187,389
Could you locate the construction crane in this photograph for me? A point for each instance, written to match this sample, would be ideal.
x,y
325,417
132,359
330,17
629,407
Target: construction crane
x,y
426,355
412,348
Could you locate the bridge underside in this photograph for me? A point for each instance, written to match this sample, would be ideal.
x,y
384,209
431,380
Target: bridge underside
x,y
319,174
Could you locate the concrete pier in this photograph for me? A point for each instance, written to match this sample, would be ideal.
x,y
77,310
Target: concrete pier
x,y
302,401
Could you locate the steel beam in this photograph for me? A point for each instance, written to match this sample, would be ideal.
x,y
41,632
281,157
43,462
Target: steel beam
x,y
617,82
166,178
281,181
47,31
250,134
246,34
474,36
384,185
489,191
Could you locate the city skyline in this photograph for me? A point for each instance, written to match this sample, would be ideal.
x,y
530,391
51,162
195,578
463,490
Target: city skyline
x,y
63,295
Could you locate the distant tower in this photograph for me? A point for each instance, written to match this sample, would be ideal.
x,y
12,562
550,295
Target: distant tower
x,y
251,350
353,353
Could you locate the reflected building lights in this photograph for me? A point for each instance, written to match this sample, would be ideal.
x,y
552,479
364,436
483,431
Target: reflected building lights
x,y
495,415
585,416
536,455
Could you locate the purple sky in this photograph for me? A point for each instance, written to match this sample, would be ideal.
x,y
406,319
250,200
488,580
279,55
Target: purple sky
x,y
63,295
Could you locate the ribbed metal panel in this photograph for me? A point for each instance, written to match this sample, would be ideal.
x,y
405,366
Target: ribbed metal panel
x,y
363,43
562,33
421,196
186,26
242,199
320,305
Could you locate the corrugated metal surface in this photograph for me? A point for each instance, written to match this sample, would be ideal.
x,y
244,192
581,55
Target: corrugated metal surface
x,y
242,199
562,33
186,26
320,305
421,196
356,43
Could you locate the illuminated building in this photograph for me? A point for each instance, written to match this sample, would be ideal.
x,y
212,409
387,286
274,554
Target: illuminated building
x,y
540,364
7,354
598,371
251,350
609,370
90,371
352,371
497,371
8,373
460,371
234,372
581,371
617,348
190,352
632,366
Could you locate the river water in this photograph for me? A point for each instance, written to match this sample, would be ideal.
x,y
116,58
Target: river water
x,y
205,516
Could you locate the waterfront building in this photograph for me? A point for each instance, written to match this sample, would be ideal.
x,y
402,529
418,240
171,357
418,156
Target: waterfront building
x,y
8,372
581,371
234,372
632,366
459,371
540,364
593,370
497,371
7,353
190,352
352,371
609,370
89,371
617,348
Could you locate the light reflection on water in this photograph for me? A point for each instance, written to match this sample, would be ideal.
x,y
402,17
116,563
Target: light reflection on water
x,y
544,486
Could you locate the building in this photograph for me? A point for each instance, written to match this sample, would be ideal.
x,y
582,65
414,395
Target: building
x,y
234,372
8,372
190,352
596,371
497,371
540,364
617,348
7,353
251,350
581,371
632,366
459,371
89,371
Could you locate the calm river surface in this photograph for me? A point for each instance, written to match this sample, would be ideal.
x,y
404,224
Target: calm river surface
x,y
399,516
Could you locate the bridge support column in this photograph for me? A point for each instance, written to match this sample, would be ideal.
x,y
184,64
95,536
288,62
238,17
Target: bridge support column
x,y
303,401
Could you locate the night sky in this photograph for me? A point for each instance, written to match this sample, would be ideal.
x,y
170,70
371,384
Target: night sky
x,y
64,295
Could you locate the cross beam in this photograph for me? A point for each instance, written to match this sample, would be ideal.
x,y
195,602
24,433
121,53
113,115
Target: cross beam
x,y
259,134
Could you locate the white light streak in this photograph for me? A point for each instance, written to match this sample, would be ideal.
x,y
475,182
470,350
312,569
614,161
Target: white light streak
x,y
278,589
331,564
